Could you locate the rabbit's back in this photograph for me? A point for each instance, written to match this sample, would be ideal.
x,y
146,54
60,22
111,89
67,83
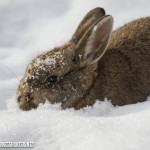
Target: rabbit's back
x,y
132,40
124,70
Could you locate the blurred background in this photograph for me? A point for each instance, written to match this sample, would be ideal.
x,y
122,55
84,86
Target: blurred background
x,y
29,27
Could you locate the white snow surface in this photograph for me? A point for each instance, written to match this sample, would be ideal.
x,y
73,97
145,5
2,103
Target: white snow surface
x,y
30,27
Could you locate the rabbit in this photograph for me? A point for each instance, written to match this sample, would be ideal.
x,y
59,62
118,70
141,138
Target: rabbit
x,y
95,64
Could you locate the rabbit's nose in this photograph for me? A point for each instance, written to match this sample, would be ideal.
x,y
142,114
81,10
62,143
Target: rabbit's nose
x,y
19,98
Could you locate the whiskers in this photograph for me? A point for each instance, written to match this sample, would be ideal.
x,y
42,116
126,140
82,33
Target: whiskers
x,y
12,73
9,82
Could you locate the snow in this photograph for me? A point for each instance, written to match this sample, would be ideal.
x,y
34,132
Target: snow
x,y
29,28
95,28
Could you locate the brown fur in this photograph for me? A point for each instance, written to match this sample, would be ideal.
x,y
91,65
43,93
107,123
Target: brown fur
x,y
88,68
124,70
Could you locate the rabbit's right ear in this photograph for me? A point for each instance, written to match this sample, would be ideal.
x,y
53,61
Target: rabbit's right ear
x,y
92,16
92,45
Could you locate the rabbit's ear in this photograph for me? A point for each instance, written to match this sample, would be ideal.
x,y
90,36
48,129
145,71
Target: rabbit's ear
x,y
91,17
93,43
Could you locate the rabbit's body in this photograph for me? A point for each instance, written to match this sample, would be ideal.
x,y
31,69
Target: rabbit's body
x,y
87,68
124,70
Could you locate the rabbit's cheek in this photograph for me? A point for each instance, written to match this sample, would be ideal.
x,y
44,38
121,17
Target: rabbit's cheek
x,y
51,93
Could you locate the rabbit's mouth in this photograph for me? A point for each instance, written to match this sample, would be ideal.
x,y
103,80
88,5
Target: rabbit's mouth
x,y
26,104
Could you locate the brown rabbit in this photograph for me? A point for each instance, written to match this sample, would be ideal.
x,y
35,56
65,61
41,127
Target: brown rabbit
x,y
92,65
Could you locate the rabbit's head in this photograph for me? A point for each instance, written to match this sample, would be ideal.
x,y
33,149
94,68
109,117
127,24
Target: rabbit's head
x,y
66,73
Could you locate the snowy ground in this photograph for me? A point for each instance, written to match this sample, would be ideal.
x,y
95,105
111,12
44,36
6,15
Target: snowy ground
x,y
29,27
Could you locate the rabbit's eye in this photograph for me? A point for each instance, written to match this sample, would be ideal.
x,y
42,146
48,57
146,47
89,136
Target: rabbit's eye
x,y
51,79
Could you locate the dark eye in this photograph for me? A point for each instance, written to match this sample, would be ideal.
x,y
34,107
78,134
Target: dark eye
x,y
51,79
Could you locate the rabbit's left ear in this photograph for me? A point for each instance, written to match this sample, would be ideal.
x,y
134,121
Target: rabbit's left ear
x,y
93,43
90,18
